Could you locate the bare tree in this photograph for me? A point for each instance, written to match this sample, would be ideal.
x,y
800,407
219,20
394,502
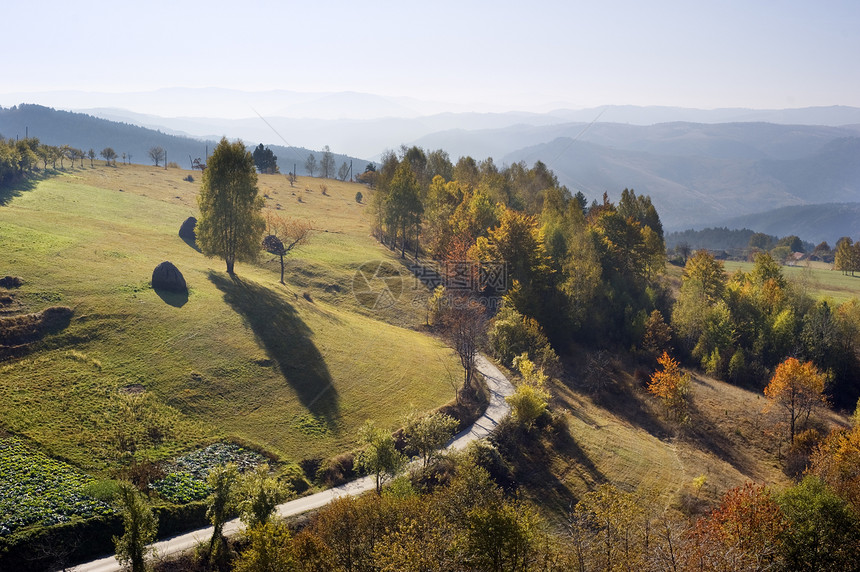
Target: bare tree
x,y
311,164
343,172
327,164
465,324
283,235
157,154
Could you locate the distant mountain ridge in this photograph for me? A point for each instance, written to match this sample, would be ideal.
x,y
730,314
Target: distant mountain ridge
x,y
814,223
698,174
56,127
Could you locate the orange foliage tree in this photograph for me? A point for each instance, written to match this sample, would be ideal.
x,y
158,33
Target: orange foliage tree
x,y
672,387
836,461
744,533
796,388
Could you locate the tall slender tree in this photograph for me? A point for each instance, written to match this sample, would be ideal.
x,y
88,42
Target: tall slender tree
x,y
231,224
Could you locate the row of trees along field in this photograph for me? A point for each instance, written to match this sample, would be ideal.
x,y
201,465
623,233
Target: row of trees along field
x,y
22,158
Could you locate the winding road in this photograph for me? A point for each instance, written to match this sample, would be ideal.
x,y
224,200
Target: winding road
x,y
499,387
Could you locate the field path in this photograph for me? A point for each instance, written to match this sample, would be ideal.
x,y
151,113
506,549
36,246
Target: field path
x,y
499,387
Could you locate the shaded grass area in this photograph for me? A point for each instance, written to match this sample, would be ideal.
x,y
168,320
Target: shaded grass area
x,y
285,337
617,434
250,360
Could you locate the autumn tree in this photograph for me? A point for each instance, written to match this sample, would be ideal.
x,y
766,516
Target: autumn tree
x,y
672,387
745,532
327,164
658,334
402,207
531,398
464,324
797,389
343,171
836,461
429,433
230,225
283,235
614,524
503,536
259,494
139,524
379,457
222,481
268,548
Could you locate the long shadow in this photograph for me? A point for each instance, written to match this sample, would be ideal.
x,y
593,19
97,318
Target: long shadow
x,y
709,437
287,340
11,189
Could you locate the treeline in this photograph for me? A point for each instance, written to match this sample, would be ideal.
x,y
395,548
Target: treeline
x,y
739,328
592,273
740,243
847,256
21,158
460,514
583,272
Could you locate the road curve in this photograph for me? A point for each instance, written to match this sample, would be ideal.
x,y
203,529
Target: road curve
x,y
499,387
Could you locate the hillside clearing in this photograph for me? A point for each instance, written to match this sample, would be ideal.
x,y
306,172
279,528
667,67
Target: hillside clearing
x,y
293,369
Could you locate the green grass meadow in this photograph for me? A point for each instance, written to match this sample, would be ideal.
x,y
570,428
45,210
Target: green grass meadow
x,y
294,369
818,277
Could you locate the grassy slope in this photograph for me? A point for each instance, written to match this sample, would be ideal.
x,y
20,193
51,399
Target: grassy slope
x,y
617,435
248,358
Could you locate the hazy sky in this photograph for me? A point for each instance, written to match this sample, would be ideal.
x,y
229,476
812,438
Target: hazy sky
x,y
524,55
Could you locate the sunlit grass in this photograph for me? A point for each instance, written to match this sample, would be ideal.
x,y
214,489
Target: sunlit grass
x,y
250,359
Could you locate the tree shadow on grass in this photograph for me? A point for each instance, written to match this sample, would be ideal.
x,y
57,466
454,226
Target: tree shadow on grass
x,y
287,340
11,189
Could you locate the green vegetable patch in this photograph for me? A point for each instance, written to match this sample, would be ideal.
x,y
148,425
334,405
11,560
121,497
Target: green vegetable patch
x,y
35,489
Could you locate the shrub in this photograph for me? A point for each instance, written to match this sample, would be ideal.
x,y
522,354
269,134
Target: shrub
x,y
336,470
358,197
189,178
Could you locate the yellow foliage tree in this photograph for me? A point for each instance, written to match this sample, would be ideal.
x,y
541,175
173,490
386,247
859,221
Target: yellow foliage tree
x,y
530,400
672,387
797,389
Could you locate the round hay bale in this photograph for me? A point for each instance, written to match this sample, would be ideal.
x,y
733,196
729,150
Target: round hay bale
x,y
186,231
166,276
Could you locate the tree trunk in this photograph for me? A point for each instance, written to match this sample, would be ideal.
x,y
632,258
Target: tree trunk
x,y
230,262
282,269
